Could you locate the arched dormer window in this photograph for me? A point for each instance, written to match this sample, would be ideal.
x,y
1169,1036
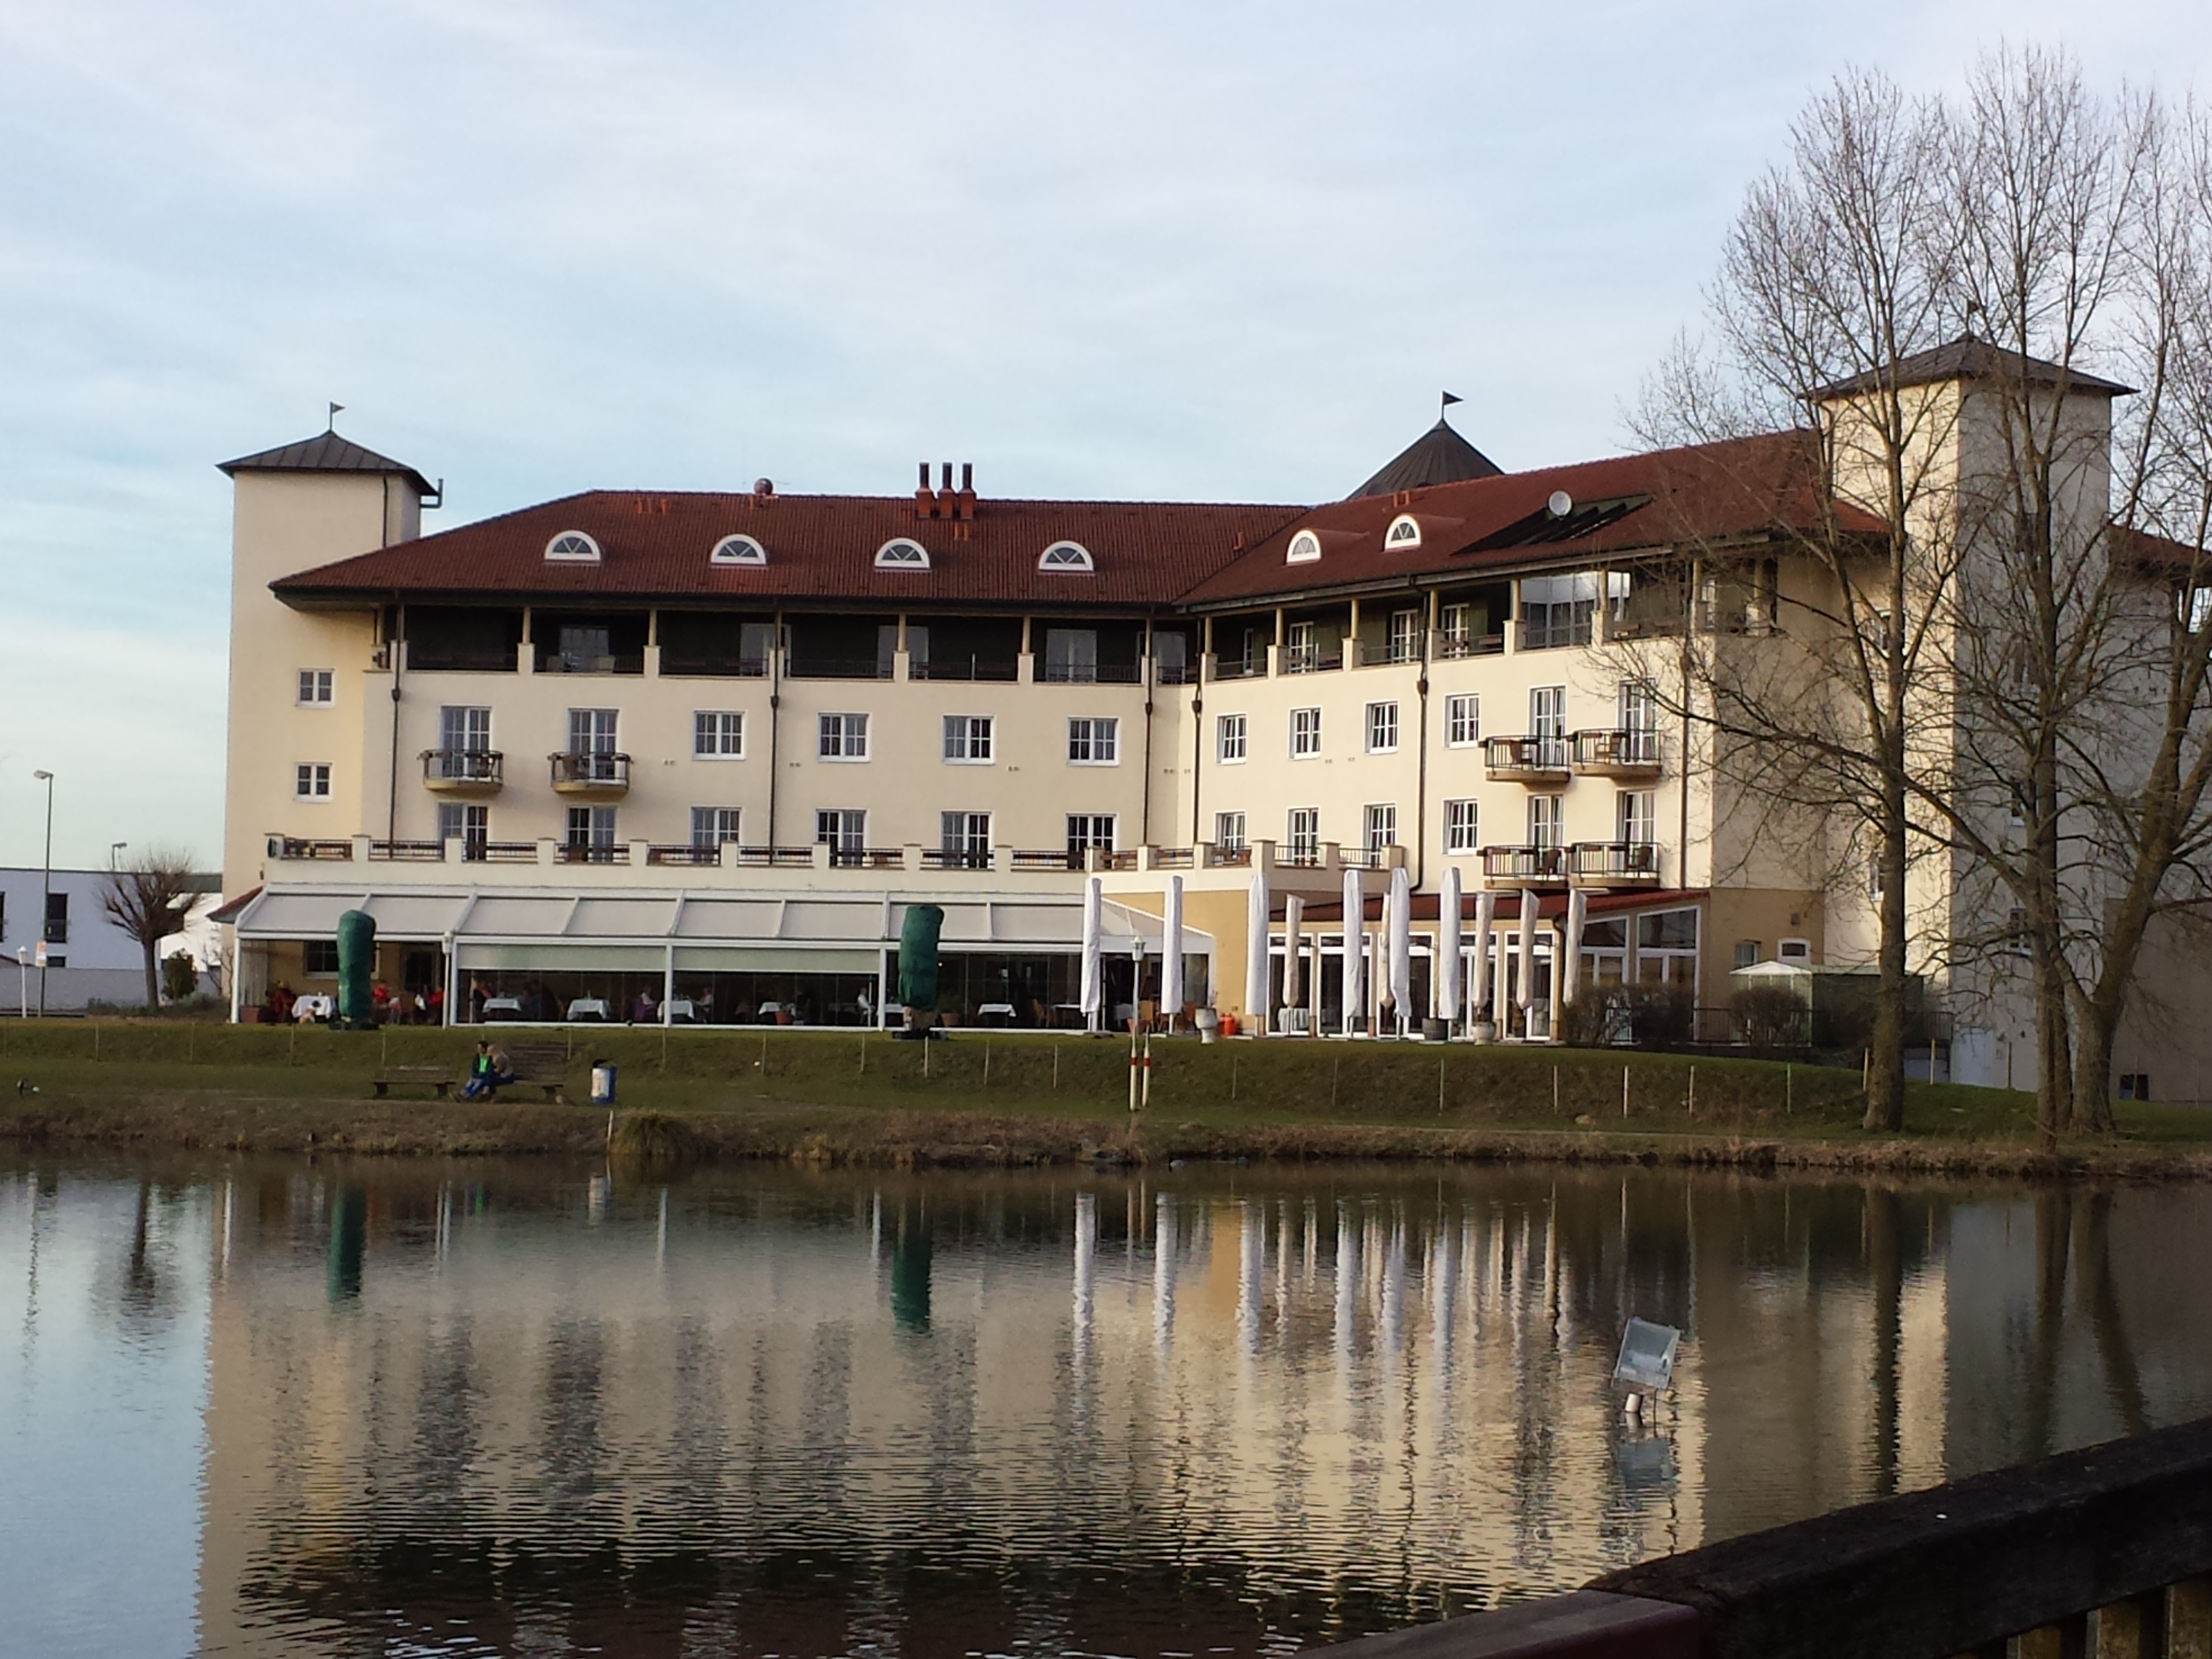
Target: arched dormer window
x,y
900,554
738,549
1405,531
1070,557
571,547
1305,548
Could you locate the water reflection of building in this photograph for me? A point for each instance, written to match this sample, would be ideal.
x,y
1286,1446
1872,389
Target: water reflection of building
x,y
815,1414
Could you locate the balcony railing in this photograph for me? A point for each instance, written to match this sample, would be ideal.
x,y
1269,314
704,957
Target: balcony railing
x,y
296,847
867,858
408,852
2101,1552
841,668
583,853
1172,858
1045,858
463,769
1616,753
1230,858
1310,660
500,852
1524,866
1447,648
1174,673
1088,673
1239,668
956,858
590,773
1005,671
1614,863
1527,760
1294,856
776,858
1364,858
1553,636
685,853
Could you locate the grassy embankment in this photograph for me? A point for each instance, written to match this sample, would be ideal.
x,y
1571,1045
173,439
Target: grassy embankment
x,y
1018,1098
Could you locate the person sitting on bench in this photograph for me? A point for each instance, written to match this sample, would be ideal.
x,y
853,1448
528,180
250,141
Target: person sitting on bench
x,y
489,1072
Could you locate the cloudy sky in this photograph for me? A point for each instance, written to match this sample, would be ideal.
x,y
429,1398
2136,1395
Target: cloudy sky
x,y
1173,250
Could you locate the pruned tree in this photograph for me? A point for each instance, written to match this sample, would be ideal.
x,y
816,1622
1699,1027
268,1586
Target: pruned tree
x,y
150,902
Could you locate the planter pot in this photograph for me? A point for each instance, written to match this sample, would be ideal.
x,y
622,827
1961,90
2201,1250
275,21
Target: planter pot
x,y
1484,1031
1436,1030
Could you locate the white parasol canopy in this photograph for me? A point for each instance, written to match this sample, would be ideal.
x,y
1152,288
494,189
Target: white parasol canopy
x,y
1485,917
1294,916
1090,999
1401,946
1355,949
1447,974
1171,954
1255,952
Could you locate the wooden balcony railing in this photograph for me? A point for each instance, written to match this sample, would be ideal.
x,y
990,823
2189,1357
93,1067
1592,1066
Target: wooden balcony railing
x,y
2101,1552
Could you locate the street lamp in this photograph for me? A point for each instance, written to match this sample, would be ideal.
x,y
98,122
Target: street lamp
x,y
23,982
46,903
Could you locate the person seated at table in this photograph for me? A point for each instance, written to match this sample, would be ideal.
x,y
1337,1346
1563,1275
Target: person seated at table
x,y
645,1011
489,1072
279,1003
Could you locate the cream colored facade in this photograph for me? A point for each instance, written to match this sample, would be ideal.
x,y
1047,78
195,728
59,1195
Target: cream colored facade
x,y
1440,721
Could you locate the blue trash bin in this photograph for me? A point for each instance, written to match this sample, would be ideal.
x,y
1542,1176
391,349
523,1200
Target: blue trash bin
x,y
603,1083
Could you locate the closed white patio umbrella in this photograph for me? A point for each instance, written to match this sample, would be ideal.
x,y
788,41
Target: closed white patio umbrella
x,y
1294,916
1355,944
1447,972
1527,998
1255,952
1090,998
1485,917
1171,954
1401,946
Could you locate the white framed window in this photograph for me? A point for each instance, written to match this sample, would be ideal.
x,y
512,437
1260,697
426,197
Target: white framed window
x,y
1382,728
468,824
315,688
571,547
713,825
843,737
311,781
1639,704
1305,548
593,731
967,739
1229,832
1547,724
901,554
1088,829
843,830
1462,827
1747,953
1405,637
738,549
1302,648
1305,734
1544,816
1066,556
1456,625
1405,531
965,838
1462,721
718,734
1093,741
592,826
1302,832
1635,817
1793,950
1378,826
1230,733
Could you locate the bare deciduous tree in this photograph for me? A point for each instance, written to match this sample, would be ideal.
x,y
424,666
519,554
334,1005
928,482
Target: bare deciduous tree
x,y
151,900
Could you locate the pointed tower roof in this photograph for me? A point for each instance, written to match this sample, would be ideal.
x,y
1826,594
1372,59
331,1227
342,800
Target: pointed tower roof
x,y
1438,456
327,453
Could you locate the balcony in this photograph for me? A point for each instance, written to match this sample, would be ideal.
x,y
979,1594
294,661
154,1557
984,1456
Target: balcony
x,y
292,848
407,852
586,852
606,776
867,858
463,771
1236,668
686,853
956,858
1525,760
1000,671
1449,647
1524,866
840,668
1310,660
1089,673
776,858
1614,864
1616,754
1554,634
1047,858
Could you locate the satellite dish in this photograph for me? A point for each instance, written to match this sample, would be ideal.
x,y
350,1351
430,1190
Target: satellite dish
x,y
1561,504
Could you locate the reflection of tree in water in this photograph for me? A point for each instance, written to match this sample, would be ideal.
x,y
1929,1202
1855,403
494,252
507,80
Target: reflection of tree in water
x,y
2078,1224
145,1280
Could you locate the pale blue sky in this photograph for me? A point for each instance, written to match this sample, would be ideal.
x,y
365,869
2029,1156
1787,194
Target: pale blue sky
x,y
1126,250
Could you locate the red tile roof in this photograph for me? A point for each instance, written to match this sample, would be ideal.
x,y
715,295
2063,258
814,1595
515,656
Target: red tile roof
x,y
820,548
1709,493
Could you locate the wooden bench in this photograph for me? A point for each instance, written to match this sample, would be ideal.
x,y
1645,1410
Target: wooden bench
x,y
539,1065
436,1078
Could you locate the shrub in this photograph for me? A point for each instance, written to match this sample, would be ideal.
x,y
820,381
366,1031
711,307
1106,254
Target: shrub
x,y
1770,1016
180,977
1661,1016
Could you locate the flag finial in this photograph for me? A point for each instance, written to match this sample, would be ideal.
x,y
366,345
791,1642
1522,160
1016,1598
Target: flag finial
x,y
332,425
1450,398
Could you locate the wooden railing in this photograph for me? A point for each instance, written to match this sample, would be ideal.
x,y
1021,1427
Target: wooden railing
x,y
2101,1553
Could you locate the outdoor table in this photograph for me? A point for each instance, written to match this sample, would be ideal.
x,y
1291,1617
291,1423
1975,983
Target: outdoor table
x,y
496,1005
589,1008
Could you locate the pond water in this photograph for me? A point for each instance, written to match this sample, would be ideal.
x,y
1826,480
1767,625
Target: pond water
x,y
518,1407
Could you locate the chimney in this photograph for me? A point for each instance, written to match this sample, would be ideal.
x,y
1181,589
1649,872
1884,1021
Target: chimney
x,y
946,505
967,489
925,504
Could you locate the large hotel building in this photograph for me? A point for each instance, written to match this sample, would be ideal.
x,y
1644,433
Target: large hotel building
x,y
692,755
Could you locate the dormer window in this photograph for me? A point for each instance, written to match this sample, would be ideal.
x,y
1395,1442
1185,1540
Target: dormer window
x,y
739,549
1066,556
571,547
1305,548
1405,531
901,555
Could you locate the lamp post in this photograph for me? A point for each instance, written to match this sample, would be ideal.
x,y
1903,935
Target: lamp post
x,y
23,982
46,903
